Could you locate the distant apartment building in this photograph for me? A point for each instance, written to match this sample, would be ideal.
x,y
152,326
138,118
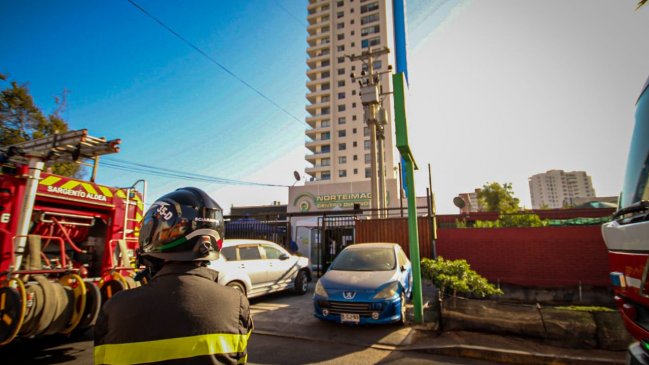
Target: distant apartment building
x,y
338,138
557,188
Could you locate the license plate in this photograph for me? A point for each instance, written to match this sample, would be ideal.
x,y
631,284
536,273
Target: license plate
x,y
350,317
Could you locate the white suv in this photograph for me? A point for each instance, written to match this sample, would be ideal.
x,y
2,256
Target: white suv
x,y
259,267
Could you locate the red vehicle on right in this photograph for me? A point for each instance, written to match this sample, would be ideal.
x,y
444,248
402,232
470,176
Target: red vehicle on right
x,y
627,238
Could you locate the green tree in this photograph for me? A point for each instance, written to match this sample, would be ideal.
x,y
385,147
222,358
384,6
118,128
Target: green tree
x,y
494,197
22,120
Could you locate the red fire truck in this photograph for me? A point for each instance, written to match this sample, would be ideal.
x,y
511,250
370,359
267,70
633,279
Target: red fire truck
x,y
66,245
627,238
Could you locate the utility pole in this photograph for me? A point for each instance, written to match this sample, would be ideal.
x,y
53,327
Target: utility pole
x,y
370,84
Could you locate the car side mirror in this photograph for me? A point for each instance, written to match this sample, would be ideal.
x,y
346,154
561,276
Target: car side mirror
x,y
284,257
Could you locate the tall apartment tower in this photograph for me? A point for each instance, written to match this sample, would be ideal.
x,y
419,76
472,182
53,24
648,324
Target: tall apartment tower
x,y
556,188
338,140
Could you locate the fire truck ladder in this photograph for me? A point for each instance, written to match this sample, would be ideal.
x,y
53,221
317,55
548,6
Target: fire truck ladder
x,y
71,146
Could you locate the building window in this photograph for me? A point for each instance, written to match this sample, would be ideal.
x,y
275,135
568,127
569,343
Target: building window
x,y
367,144
341,59
355,171
370,42
340,37
369,7
367,172
341,71
342,173
325,176
354,144
324,74
324,111
325,162
341,95
325,149
342,160
340,25
341,83
353,44
340,14
342,146
372,29
340,48
353,92
355,158
325,136
353,105
369,18
342,133
339,3
324,123
353,117
353,130
367,158
366,131
342,120
341,108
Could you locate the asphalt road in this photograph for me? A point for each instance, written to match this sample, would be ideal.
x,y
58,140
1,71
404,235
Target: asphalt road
x,y
285,333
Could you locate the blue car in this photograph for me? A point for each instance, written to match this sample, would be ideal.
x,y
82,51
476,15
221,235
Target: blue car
x,y
367,283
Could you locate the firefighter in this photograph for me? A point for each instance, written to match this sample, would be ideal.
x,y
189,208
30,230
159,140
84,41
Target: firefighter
x,y
182,315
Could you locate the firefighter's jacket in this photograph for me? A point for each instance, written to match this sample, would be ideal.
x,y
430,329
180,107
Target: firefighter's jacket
x,y
181,317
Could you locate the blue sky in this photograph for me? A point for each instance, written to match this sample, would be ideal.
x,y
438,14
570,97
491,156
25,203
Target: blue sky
x,y
500,90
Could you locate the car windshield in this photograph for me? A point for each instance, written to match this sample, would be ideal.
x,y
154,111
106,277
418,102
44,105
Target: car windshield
x,y
636,180
365,259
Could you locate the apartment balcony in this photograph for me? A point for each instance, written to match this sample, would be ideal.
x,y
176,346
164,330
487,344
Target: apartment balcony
x,y
315,156
312,97
314,37
312,120
316,3
313,108
311,132
318,11
316,24
318,50
314,73
317,168
316,84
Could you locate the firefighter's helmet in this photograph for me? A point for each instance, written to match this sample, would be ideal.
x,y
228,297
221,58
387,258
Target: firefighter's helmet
x,y
173,227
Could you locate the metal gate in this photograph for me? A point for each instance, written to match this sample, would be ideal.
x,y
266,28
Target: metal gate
x,y
257,228
334,234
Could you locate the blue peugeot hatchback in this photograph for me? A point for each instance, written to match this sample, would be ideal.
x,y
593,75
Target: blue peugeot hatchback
x,y
367,283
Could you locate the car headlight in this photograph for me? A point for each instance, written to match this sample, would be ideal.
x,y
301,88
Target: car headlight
x,y
320,290
388,291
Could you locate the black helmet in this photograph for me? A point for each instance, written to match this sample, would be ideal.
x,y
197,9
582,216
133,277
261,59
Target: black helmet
x,y
173,226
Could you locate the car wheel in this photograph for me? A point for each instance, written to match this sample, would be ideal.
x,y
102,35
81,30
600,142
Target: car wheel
x,y
402,320
301,283
237,286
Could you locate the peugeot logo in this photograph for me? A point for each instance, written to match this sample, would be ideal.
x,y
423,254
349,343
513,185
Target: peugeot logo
x,y
348,294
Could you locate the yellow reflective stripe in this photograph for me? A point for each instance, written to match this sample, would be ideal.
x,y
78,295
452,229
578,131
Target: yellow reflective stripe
x,y
70,184
106,191
89,188
170,349
50,180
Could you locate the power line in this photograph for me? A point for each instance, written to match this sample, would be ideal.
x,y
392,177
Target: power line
x,y
164,172
208,57
300,21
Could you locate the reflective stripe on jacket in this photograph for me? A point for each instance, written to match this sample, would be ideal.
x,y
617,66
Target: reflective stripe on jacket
x,y
181,316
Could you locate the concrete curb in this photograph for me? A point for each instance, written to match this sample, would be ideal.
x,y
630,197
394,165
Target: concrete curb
x,y
510,356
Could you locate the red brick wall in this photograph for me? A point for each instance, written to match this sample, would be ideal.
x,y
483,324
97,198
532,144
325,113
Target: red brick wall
x,y
546,257
542,257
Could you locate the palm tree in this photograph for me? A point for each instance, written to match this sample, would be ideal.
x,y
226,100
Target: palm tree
x,y
640,3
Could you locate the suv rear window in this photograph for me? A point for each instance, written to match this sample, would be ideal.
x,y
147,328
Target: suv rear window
x,y
249,253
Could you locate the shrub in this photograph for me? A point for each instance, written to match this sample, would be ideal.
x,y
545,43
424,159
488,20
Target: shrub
x,y
456,276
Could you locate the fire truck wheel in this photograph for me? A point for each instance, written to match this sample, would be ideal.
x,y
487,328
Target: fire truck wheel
x,y
12,309
35,296
49,305
78,288
110,288
63,314
93,306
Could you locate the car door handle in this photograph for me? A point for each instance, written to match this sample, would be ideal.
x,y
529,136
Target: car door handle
x,y
242,266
